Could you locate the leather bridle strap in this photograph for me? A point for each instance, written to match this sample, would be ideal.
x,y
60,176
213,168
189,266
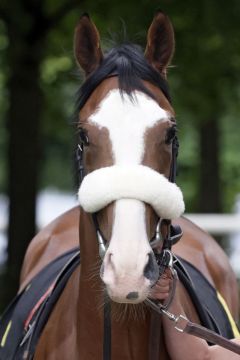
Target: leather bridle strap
x,y
168,239
173,169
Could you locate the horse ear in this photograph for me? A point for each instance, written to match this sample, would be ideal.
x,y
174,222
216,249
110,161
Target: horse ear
x,y
87,48
160,43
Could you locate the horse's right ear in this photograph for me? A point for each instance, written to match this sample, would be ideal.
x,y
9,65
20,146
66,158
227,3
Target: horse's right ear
x,y
87,48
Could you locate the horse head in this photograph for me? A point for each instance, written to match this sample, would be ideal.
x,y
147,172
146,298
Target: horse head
x,y
127,125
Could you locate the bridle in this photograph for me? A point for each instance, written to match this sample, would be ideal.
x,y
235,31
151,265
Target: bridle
x,y
165,260
171,235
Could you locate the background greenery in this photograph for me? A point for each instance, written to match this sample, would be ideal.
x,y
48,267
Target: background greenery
x,y
39,79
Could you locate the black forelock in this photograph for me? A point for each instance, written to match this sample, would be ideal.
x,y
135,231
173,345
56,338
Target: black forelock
x,y
126,61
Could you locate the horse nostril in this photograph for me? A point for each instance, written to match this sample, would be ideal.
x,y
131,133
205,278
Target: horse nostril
x,y
151,269
133,295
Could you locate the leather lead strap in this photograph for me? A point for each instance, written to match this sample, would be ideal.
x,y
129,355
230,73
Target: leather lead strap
x,y
107,334
210,336
154,336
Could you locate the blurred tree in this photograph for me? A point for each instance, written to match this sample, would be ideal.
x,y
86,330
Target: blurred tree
x,y
207,52
27,24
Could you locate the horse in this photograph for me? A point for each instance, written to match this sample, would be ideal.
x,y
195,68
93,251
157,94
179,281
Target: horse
x,y
127,125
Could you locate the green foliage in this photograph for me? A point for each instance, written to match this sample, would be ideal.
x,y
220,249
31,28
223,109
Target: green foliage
x,y
59,85
230,159
3,106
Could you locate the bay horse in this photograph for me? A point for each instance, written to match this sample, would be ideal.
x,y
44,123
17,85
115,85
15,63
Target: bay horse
x,y
127,125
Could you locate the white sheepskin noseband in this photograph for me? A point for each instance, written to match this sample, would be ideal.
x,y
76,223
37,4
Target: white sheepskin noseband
x,y
105,185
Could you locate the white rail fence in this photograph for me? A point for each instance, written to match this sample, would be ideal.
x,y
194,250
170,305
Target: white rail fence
x,y
215,224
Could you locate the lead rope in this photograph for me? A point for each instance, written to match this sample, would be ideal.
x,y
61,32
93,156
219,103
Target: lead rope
x,y
184,325
181,322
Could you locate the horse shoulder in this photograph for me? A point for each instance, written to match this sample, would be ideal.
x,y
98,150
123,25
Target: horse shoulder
x,y
59,236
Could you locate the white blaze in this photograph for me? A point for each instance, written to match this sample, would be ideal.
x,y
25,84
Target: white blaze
x,y
129,247
127,122
127,255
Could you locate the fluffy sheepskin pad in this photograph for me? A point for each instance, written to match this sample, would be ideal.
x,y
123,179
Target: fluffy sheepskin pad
x,y
105,185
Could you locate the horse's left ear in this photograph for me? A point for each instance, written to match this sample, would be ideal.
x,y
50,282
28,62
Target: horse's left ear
x,y
160,43
87,48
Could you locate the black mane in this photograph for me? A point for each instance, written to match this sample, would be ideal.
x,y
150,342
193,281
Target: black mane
x,y
129,64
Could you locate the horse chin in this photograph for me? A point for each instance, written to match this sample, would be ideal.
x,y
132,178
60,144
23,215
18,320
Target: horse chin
x,y
125,301
132,297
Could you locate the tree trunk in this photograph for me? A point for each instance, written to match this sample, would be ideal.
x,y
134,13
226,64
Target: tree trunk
x,y
210,200
27,26
24,113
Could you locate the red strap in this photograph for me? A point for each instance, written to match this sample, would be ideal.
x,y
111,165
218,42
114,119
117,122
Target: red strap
x,y
38,304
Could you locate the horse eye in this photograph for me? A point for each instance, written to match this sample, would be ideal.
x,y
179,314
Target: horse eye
x,y
171,133
83,137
